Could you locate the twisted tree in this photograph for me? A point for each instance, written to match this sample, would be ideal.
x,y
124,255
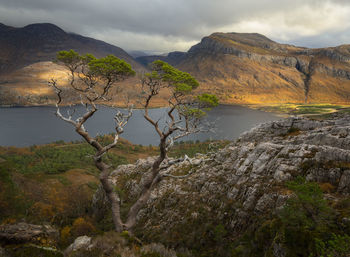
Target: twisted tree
x,y
183,117
93,78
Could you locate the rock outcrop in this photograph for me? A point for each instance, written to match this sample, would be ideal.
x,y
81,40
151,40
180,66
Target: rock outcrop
x,y
244,181
28,233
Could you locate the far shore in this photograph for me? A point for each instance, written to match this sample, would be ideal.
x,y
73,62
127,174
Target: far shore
x,y
281,109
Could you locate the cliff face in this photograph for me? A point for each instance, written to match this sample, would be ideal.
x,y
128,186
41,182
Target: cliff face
x,y
250,68
258,70
243,185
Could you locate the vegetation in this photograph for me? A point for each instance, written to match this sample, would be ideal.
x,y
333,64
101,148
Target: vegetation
x,y
68,193
23,170
308,225
93,79
304,109
58,158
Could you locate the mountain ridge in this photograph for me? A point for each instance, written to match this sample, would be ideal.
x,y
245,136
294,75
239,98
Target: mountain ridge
x,y
240,68
27,61
41,41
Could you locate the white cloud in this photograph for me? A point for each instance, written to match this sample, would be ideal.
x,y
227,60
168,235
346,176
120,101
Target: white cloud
x,y
147,42
167,25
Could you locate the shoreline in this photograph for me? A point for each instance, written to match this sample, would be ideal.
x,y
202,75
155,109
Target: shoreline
x,y
280,109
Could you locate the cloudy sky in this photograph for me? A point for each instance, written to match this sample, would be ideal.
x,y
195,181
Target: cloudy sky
x,y
168,25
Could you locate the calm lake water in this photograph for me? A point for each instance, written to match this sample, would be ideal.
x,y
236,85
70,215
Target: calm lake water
x,y
25,126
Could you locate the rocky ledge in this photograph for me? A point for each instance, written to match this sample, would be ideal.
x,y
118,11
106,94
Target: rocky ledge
x,y
27,233
245,181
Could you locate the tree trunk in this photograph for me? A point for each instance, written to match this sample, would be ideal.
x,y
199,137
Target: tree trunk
x,y
147,189
111,195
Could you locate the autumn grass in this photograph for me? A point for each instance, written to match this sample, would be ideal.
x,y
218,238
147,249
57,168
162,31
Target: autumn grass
x,y
55,182
303,109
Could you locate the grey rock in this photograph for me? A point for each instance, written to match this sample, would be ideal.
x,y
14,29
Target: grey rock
x,y
82,242
24,232
247,177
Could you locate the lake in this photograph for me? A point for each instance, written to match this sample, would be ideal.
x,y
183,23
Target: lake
x,y
25,126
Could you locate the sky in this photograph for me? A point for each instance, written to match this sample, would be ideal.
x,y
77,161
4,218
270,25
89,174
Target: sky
x,y
161,26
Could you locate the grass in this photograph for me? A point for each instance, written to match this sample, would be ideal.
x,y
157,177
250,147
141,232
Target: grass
x,y
304,109
54,182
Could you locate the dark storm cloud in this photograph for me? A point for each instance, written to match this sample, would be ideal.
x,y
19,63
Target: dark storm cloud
x,y
176,24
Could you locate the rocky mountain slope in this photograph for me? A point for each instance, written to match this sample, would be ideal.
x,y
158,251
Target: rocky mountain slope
x,y
231,193
250,68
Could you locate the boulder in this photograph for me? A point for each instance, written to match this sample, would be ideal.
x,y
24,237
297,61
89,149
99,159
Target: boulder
x,y
80,243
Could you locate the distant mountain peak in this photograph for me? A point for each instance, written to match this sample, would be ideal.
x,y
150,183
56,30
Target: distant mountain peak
x,y
42,25
252,39
44,29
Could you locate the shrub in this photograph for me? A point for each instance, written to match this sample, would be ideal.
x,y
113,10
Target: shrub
x,y
44,211
82,226
65,235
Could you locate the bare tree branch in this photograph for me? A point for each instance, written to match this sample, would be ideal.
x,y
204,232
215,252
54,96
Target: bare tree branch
x,y
93,85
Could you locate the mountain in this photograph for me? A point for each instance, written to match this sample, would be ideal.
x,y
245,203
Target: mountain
x,y
27,61
137,53
240,68
172,58
250,68
34,43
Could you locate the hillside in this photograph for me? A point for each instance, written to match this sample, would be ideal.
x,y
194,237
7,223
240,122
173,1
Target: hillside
x,y
279,190
40,43
27,58
273,192
249,68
